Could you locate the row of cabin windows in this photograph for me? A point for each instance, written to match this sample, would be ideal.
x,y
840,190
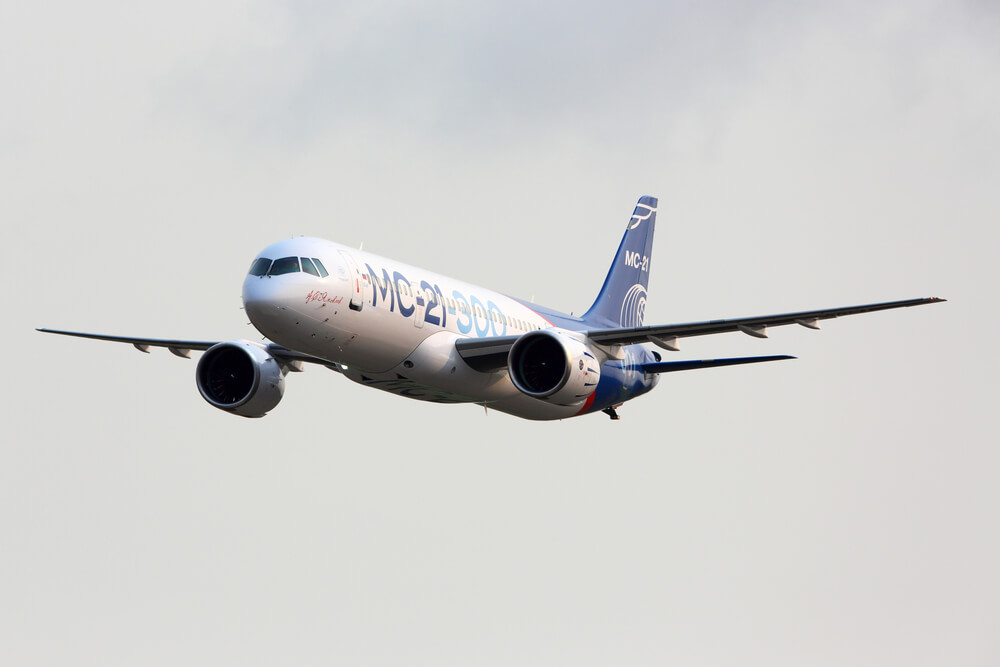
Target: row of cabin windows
x,y
265,267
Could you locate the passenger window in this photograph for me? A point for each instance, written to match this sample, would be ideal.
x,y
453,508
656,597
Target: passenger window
x,y
308,267
322,269
260,266
284,265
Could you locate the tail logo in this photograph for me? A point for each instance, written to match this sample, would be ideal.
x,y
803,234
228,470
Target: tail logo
x,y
641,215
634,306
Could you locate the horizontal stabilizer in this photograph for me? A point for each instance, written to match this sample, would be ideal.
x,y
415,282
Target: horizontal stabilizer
x,y
670,366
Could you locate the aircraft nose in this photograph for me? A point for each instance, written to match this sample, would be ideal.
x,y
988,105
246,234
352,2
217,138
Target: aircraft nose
x,y
275,304
256,293
265,300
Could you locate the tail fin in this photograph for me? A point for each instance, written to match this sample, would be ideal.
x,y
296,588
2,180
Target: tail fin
x,y
622,301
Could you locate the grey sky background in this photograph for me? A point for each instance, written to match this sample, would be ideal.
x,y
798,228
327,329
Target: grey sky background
x,y
837,509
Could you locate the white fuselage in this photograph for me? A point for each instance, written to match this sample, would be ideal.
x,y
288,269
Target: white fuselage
x,y
392,326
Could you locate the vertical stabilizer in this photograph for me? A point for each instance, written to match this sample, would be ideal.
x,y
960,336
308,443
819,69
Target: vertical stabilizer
x,y
622,301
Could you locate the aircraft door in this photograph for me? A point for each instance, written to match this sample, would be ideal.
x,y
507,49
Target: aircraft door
x,y
359,282
419,308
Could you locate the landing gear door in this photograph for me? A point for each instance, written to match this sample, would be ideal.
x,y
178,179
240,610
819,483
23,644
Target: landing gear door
x,y
358,282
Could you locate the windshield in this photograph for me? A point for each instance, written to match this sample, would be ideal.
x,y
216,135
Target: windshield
x,y
309,267
263,266
260,266
284,265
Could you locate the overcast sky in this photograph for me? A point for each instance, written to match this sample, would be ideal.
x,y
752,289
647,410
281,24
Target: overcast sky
x,y
837,509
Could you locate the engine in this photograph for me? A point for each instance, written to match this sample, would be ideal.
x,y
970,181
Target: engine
x,y
240,377
553,365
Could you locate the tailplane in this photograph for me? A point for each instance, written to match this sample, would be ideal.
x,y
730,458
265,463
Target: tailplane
x,y
622,300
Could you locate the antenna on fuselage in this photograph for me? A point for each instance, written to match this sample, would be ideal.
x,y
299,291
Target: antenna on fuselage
x,y
362,246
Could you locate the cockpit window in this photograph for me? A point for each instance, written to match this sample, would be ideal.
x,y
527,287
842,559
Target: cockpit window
x,y
322,269
309,267
284,265
260,266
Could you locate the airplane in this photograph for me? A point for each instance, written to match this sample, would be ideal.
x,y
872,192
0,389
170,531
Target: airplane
x,y
421,335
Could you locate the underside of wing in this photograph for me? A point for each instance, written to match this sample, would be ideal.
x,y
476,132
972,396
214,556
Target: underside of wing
x,y
182,348
485,354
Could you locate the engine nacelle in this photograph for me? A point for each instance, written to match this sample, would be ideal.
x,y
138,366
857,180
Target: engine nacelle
x,y
240,377
553,365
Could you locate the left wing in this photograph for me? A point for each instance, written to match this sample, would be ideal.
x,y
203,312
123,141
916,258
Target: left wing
x,y
753,326
183,348
485,354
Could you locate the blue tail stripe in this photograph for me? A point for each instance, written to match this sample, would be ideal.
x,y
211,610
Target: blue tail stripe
x,y
622,299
